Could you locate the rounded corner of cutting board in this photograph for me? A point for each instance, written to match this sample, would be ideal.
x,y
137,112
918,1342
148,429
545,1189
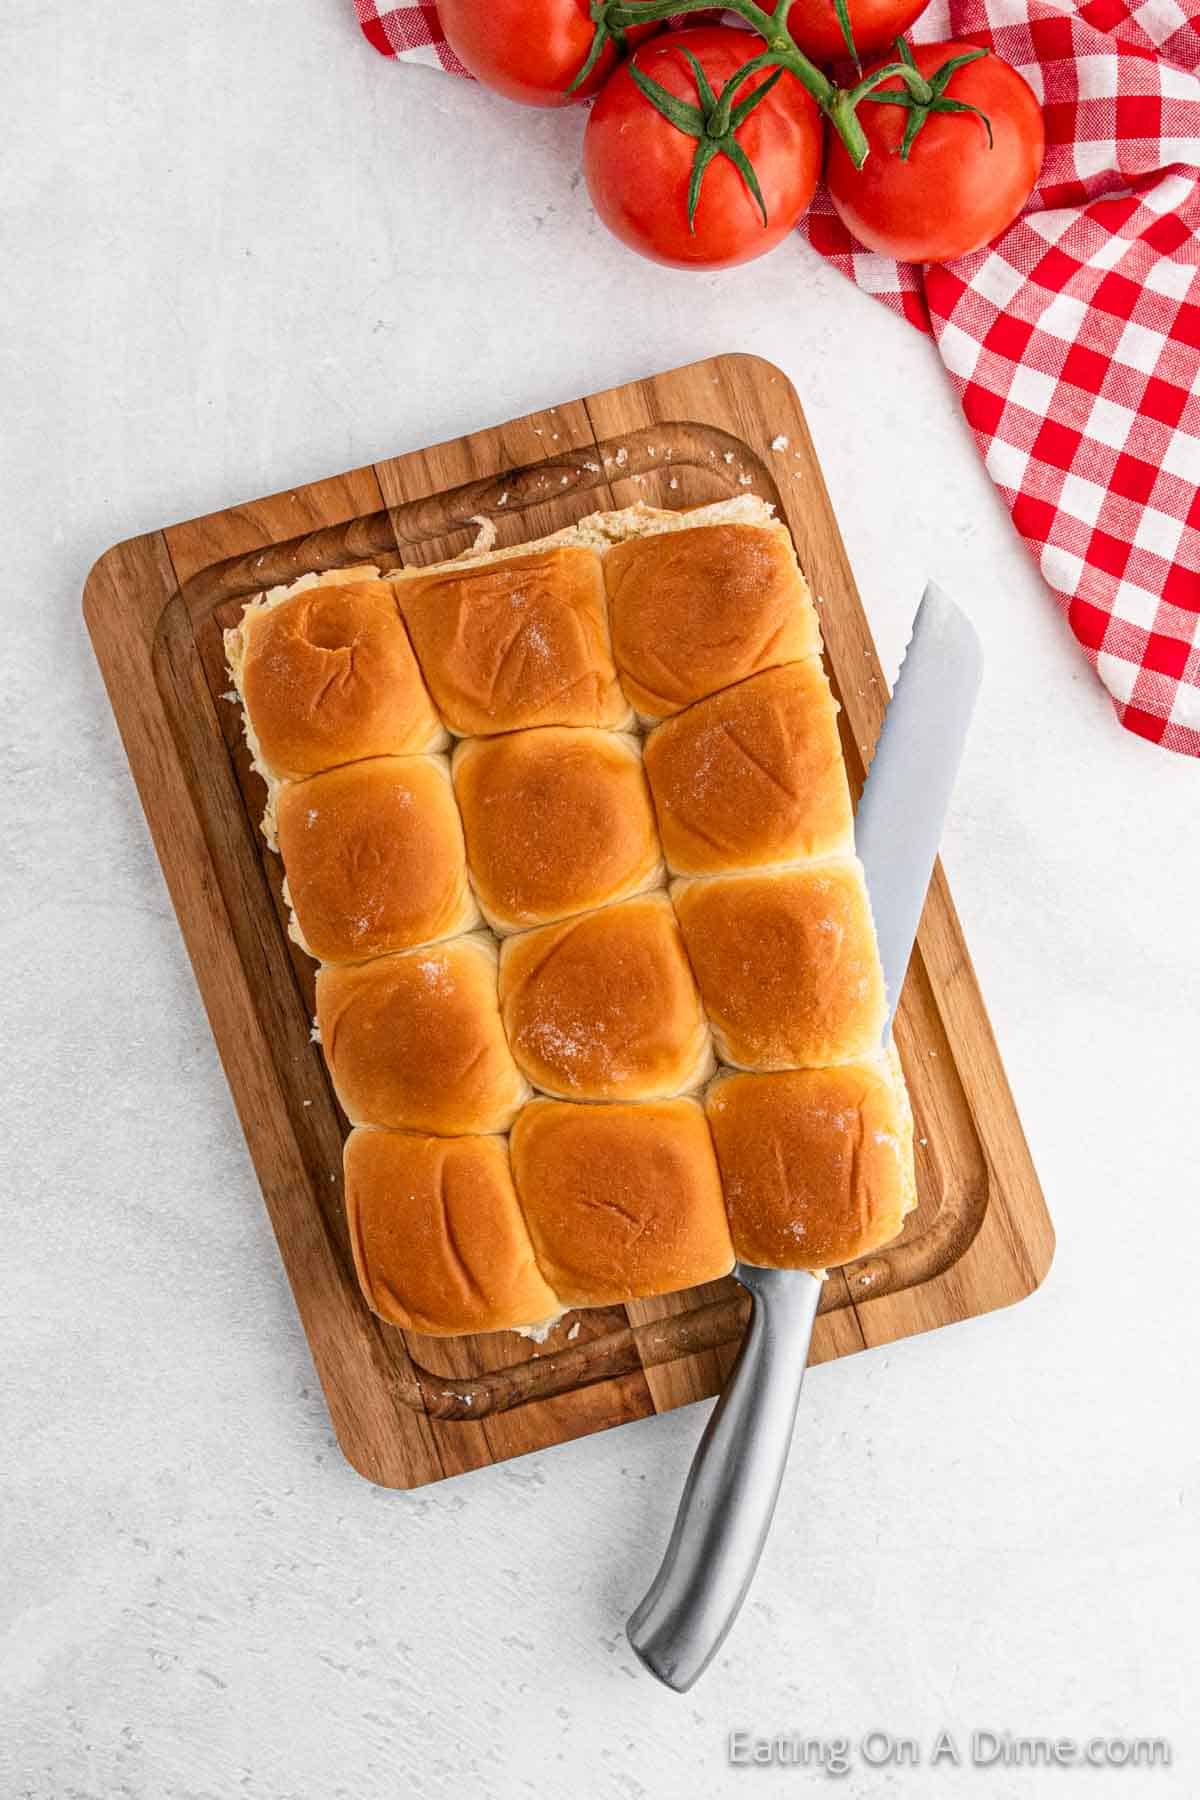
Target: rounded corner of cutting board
x,y
1042,1256
750,360
96,577
378,1458
369,1468
105,580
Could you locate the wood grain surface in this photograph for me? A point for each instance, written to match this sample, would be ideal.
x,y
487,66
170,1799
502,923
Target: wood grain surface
x,y
409,1409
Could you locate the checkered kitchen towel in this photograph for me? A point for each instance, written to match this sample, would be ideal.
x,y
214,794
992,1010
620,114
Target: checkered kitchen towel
x,y
1074,343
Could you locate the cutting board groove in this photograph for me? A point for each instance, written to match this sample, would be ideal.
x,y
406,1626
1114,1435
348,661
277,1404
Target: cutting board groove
x,y
409,1409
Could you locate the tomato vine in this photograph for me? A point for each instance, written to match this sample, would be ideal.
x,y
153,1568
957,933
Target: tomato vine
x,y
612,18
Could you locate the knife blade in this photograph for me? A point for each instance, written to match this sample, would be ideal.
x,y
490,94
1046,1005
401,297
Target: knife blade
x,y
729,1499
898,825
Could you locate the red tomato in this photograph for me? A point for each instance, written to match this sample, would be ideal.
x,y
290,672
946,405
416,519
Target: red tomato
x,y
954,194
638,165
529,50
875,23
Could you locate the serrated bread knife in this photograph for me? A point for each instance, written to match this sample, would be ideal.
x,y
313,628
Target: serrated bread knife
x,y
734,1481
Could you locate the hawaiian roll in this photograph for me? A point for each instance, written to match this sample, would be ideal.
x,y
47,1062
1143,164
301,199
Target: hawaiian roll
x,y
327,676
691,611
621,1201
817,1163
515,641
439,1242
604,1006
786,963
374,858
557,820
753,775
415,1041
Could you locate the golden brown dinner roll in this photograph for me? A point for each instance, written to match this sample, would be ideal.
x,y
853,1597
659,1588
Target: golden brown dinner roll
x,y
438,1238
786,963
520,640
753,775
415,1041
556,821
692,611
817,1163
604,1007
374,858
328,676
621,1201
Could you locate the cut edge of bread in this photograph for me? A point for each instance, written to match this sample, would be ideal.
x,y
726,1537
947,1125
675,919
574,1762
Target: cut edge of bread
x,y
599,531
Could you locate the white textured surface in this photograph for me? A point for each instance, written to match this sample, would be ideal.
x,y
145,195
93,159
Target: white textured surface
x,y
239,251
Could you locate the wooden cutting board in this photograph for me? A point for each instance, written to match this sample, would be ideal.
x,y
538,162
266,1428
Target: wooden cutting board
x,y
409,1409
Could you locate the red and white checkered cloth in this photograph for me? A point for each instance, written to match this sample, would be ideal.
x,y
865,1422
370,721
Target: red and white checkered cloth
x,y
1074,342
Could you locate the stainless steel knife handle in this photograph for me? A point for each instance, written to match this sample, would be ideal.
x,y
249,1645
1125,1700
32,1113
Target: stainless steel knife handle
x,y
729,1500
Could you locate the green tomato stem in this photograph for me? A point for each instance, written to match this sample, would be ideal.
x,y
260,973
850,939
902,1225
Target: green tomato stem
x,y
839,105
718,123
781,50
913,80
844,119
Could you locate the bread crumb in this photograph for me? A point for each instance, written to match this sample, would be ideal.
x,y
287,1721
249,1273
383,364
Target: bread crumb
x,y
780,442
537,1334
574,1331
621,458
745,480
729,456
674,481
503,500
486,538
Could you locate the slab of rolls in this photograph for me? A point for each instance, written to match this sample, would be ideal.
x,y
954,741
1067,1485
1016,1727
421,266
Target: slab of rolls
x,y
568,830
